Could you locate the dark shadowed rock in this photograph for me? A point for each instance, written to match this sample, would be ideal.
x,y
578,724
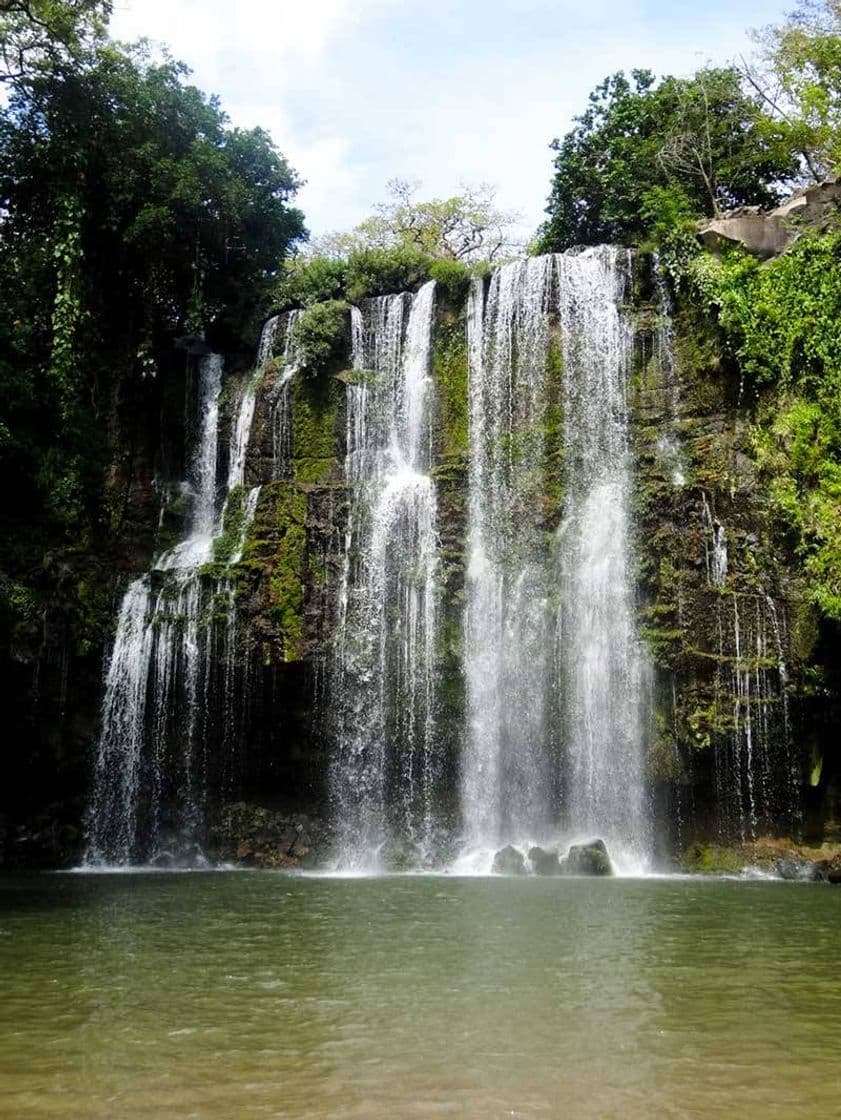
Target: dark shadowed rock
x,y
587,859
803,870
543,862
508,861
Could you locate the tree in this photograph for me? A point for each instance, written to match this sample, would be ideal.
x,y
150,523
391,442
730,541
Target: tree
x,y
797,76
133,217
689,146
466,227
34,33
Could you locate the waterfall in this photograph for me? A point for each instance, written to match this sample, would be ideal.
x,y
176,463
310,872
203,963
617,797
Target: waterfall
x,y
603,671
149,782
383,678
156,653
556,682
507,773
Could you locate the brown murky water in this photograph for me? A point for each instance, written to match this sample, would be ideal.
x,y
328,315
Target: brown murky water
x,y
240,995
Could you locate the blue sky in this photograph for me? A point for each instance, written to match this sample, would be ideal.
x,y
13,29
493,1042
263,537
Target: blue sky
x,y
356,92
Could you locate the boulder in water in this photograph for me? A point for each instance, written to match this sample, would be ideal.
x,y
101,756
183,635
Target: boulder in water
x,y
803,870
587,859
543,862
508,861
399,855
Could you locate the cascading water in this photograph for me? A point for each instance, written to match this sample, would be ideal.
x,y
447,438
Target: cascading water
x,y
149,773
556,682
146,755
385,766
507,772
604,676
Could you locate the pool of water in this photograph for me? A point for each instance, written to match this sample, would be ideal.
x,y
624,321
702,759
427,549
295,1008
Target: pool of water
x,y
239,995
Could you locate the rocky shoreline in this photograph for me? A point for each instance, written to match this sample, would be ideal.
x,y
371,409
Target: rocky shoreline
x,y
776,856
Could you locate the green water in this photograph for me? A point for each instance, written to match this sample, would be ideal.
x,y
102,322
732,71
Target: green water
x,y
262,995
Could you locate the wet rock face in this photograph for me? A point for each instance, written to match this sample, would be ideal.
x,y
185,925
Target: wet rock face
x,y
508,861
587,859
399,855
254,836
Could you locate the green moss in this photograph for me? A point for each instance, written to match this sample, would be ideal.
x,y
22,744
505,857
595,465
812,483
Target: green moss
x,y
449,363
711,859
232,524
276,550
314,429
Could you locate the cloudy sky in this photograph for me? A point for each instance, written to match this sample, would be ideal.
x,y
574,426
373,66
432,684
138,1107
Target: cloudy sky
x,y
356,92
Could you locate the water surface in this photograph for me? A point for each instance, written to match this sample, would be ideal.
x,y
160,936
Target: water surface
x,y
239,995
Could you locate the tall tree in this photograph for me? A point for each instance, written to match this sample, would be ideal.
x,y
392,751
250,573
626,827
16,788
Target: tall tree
x,y
38,33
797,76
686,146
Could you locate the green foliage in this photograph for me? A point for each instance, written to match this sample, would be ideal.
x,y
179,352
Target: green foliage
x,y
37,34
646,156
133,215
798,77
380,271
467,227
452,278
782,321
319,333
307,280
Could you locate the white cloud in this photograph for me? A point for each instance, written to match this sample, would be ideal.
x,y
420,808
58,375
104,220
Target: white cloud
x,y
355,92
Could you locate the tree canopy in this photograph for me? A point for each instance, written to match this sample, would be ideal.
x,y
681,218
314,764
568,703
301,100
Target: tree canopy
x,y
132,216
797,77
465,227
646,152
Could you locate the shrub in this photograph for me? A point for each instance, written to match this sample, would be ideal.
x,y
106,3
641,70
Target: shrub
x,y
319,334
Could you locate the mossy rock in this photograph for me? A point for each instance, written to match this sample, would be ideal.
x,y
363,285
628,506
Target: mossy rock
x,y
509,861
587,859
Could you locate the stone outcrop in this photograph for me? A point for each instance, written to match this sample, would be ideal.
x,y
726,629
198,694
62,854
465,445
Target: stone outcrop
x,y
768,233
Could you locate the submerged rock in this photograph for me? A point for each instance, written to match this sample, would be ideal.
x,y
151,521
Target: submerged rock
x,y
508,861
543,862
587,859
399,855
